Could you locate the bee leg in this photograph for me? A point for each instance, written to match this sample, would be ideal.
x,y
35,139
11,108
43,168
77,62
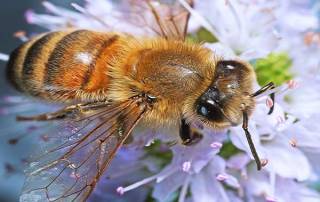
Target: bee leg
x,y
250,142
60,114
264,89
188,134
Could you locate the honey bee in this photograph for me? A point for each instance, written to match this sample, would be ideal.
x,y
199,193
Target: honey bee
x,y
113,83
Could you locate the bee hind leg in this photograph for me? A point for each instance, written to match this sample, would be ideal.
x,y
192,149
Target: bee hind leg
x,y
188,134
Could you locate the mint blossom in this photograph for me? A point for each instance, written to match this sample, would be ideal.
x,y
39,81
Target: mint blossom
x,y
244,28
220,167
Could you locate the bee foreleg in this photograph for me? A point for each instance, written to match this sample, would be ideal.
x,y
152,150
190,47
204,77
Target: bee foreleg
x,y
250,142
188,134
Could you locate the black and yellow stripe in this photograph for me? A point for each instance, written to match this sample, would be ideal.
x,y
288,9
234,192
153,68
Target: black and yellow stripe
x,y
50,61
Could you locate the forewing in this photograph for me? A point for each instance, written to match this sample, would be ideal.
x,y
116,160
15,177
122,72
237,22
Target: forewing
x,y
77,154
168,20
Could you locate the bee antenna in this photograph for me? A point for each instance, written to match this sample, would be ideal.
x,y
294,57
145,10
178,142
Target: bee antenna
x,y
265,88
250,142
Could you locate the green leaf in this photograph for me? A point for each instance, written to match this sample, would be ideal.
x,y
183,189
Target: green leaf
x,y
275,67
202,35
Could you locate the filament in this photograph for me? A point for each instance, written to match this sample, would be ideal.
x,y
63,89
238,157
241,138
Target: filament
x,y
4,57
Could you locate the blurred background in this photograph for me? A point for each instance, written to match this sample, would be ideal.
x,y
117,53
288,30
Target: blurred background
x,y
12,19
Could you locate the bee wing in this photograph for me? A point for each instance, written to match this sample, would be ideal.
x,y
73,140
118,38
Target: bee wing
x,y
168,20
77,154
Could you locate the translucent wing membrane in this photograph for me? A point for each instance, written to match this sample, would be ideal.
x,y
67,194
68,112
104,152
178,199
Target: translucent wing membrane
x,y
76,154
169,20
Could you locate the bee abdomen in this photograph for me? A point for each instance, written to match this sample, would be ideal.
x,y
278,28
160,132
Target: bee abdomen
x,y
61,63
15,65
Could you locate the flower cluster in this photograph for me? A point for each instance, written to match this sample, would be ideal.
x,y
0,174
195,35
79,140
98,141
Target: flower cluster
x,y
281,39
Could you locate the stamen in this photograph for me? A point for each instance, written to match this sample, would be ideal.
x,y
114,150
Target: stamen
x,y
167,174
280,120
79,8
221,177
29,16
216,145
270,199
201,19
293,142
87,13
269,102
292,84
186,166
21,35
50,7
264,162
149,143
311,38
4,57
120,190
158,177
184,189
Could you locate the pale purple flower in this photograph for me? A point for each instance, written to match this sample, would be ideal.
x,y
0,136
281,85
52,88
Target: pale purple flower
x,y
289,138
242,28
100,15
127,167
4,57
273,136
186,162
263,186
296,16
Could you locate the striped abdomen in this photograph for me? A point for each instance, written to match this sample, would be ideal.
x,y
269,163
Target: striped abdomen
x,y
63,65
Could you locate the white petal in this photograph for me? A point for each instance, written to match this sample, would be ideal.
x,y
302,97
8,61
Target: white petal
x,y
285,159
168,186
205,188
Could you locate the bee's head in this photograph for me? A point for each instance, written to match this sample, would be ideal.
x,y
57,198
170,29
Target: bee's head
x,y
222,104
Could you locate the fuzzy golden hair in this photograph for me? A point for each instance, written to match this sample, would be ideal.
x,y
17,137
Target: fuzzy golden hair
x,y
171,71
175,73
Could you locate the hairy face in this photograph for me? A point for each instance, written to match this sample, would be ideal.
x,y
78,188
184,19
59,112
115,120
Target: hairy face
x,y
224,101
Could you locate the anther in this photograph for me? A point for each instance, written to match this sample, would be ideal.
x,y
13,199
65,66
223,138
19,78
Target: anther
x,y
216,145
264,162
221,177
186,166
293,142
120,190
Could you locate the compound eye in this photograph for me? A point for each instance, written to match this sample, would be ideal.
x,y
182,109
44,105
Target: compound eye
x,y
210,110
203,110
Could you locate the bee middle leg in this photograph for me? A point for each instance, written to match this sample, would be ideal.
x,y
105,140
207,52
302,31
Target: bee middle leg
x,y
188,134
